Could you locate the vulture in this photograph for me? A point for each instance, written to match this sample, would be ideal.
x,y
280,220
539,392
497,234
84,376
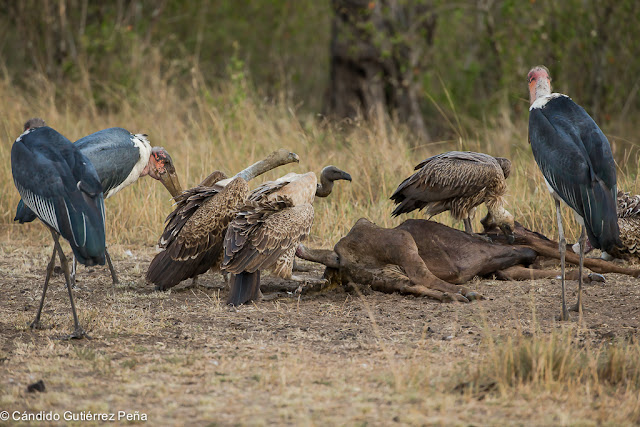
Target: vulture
x,y
575,159
120,158
192,240
268,228
629,225
458,181
60,186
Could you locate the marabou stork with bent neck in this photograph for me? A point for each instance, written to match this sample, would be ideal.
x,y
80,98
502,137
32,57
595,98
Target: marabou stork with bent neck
x,y
60,186
576,161
120,158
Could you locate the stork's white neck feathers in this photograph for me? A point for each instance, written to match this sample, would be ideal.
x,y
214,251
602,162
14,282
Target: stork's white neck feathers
x,y
541,101
142,144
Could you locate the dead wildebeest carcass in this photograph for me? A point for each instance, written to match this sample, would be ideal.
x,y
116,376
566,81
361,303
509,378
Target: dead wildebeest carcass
x,y
425,258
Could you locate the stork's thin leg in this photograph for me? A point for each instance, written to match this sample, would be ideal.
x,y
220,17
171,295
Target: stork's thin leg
x,y
562,247
114,277
582,241
36,323
467,225
78,331
74,264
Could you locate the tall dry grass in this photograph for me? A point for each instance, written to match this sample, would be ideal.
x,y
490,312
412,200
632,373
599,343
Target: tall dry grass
x,y
228,127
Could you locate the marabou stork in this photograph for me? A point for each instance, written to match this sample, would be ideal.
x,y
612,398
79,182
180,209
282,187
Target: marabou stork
x,y
61,187
120,158
576,161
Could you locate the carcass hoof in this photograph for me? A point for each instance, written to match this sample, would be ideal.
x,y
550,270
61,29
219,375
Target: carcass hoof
x,y
473,296
596,278
446,297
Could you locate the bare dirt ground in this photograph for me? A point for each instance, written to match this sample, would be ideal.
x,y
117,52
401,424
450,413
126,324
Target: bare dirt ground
x,y
329,358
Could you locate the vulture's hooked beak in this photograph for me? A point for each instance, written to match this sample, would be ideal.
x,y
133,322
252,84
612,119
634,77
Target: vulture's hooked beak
x,y
345,176
165,172
508,233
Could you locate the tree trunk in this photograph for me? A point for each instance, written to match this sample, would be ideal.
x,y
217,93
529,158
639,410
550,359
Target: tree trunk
x,y
375,48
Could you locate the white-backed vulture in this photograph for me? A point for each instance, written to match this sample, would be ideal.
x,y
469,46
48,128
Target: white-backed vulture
x,y
193,236
265,233
629,224
457,181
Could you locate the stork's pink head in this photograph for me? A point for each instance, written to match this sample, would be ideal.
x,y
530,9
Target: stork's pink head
x,y
35,122
539,82
161,167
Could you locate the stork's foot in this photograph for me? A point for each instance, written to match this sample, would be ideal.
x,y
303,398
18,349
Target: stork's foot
x,y
36,325
78,334
564,316
575,308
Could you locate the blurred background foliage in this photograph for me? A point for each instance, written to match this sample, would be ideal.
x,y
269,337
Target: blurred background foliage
x,y
474,65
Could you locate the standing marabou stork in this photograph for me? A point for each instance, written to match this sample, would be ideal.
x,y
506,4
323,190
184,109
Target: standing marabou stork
x,y
575,159
120,158
61,187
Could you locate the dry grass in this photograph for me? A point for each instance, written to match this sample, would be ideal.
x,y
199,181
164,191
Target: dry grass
x,y
326,359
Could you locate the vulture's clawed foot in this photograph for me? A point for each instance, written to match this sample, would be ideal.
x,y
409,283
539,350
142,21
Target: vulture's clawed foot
x,y
307,283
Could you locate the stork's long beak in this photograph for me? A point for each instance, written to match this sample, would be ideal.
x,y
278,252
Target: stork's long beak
x,y
169,179
161,168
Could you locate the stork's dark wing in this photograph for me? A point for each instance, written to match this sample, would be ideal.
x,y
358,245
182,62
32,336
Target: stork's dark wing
x,y
264,231
24,214
59,185
446,176
112,153
575,159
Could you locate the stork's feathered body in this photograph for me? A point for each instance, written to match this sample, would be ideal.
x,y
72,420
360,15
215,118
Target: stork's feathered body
x,y
194,233
265,233
576,161
120,158
61,187
457,181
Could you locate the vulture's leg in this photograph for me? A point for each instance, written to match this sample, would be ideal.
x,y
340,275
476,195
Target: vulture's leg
x,y
467,225
582,241
78,331
36,322
114,277
562,247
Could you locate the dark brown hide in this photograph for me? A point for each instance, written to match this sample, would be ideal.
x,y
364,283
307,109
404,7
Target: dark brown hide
x,y
425,258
